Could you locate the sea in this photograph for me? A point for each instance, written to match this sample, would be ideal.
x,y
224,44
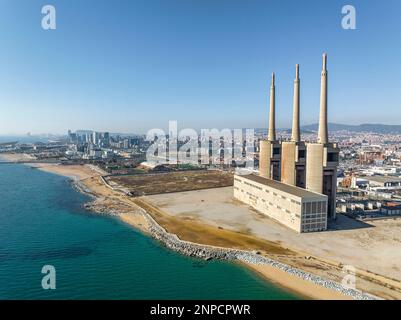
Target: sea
x,y
43,223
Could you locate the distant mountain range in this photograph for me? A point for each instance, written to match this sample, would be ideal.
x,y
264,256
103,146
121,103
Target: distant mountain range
x,y
366,127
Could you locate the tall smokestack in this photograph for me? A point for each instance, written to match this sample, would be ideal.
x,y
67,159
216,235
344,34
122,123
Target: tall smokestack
x,y
295,136
272,115
323,132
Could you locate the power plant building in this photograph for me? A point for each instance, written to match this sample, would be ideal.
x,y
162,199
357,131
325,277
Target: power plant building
x,y
297,180
270,149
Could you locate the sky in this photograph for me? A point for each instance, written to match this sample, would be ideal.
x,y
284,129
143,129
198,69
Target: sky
x,y
133,65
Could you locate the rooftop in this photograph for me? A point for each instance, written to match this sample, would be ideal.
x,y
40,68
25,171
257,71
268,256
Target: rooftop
x,y
296,191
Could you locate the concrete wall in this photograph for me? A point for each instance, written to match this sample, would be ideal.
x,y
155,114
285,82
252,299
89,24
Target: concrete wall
x,y
314,215
288,157
269,163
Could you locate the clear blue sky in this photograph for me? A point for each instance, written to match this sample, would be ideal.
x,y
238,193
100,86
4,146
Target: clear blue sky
x,y
128,66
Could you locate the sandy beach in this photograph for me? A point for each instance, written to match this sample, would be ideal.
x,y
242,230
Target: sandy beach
x,y
106,199
128,210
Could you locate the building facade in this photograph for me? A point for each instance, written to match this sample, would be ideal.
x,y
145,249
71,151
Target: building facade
x,y
312,166
297,180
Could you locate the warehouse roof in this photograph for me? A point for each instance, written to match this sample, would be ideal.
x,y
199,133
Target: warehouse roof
x,y
296,191
383,179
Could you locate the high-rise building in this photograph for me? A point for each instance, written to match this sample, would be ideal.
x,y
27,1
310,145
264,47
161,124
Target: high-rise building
x,y
293,155
88,138
72,137
106,137
95,137
322,157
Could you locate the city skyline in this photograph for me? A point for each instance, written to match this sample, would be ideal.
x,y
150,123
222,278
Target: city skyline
x,y
130,67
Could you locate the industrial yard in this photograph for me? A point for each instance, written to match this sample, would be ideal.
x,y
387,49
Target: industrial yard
x,y
213,217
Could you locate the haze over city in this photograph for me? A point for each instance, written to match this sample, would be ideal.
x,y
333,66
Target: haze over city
x,y
132,66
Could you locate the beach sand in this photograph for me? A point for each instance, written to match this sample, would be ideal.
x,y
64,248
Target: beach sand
x,y
190,230
107,199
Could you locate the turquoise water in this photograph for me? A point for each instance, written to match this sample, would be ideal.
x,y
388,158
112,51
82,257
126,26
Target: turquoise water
x,y
97,257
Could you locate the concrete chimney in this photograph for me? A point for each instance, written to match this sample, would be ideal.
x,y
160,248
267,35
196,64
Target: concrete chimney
x,y
272,115
323,131
295,136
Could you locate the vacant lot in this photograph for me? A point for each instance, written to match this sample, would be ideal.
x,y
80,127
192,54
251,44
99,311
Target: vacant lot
x,y
156,183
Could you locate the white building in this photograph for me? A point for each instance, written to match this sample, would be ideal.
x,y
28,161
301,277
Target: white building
x,y
294,207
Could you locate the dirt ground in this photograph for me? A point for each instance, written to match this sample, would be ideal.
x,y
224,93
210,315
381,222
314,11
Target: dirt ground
x,y
147,184
213,217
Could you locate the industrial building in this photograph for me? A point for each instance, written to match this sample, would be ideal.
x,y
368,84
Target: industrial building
x,y
296,170
376,182
296,208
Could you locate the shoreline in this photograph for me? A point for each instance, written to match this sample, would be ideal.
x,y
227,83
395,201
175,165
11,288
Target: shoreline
x,y
15,157
302,283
